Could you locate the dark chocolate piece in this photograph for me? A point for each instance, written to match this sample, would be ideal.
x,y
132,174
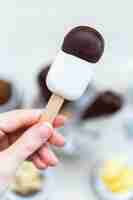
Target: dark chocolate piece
x,y
42,83
5,91
105,103
84,42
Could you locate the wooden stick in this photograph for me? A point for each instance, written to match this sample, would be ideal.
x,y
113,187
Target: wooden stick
x,y
52,109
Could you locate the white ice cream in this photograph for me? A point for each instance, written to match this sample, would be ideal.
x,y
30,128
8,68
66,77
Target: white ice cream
x,y
69,76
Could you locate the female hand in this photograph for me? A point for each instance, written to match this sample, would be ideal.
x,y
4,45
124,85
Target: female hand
x,y
22,136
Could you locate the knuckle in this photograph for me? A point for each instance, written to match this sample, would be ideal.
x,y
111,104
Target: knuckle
x,y
30,148
42,136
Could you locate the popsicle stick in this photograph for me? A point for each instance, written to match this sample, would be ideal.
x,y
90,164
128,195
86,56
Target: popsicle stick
x,y
52,109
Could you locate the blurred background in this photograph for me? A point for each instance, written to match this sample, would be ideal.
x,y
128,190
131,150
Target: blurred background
x,y
31,33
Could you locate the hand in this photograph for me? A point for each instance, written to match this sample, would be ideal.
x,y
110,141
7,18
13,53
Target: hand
x,y
22,136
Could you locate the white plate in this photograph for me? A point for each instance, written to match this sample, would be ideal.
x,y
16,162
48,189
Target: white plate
x,y
101,191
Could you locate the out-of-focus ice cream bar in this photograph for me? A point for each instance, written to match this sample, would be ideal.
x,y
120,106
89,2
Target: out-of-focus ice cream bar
x,y
10,95
72,70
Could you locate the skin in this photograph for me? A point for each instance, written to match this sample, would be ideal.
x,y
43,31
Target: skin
x,y
23,137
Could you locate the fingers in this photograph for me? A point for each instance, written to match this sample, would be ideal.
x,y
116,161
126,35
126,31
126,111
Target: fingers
x,y
13,120
57,139
47,156
44,158
38,162
30,141
59,121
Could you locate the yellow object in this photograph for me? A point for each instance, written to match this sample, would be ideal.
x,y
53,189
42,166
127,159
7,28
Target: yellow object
x,y
28,179
117,177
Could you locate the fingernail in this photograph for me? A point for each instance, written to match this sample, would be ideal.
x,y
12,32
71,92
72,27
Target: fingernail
x,y
45,129
54,160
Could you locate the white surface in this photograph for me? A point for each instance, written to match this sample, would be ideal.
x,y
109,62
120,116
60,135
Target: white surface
x,y
69,76
72,177
31,32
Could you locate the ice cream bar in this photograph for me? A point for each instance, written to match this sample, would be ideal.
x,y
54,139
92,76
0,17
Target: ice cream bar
x,y
72,70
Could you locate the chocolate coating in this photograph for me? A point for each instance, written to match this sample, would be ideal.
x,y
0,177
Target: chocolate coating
x,y
105,103
5,91
84,42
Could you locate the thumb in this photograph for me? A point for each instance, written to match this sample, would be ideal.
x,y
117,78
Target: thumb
x,y
29,142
